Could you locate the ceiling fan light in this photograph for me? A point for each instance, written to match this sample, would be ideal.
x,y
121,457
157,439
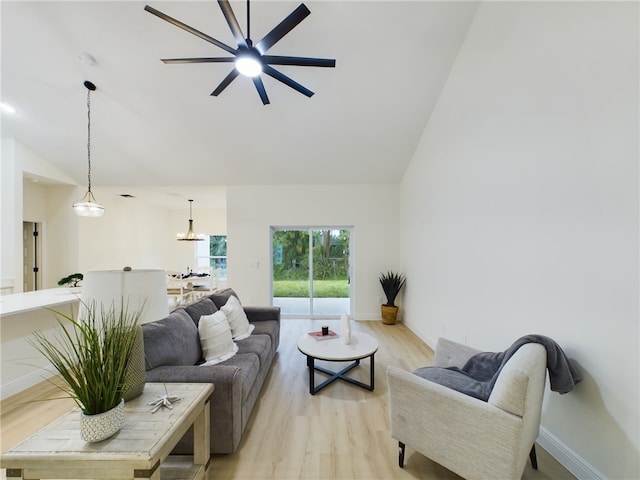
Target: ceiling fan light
x,y
248,66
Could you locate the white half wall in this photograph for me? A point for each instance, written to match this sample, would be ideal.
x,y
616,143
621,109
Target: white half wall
x,y
22,365
372,211
520,211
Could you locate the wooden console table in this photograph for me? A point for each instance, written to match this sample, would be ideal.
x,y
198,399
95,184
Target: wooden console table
x,y
135,452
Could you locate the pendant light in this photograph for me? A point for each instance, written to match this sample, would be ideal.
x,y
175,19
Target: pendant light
x,y
190,236
87,206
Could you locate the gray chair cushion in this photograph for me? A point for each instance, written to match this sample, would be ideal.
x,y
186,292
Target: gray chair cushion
x,y
171,341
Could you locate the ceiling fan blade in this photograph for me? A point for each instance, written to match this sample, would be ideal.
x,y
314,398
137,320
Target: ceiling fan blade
x,y
225,83
272,72
198,60
189,29
257,81
227,11
284,27
299,61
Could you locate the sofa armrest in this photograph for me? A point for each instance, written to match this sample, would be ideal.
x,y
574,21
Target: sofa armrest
x,y
225,401
262,314
192,374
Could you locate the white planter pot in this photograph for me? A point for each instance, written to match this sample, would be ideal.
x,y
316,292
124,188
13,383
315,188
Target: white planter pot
x,y
95,428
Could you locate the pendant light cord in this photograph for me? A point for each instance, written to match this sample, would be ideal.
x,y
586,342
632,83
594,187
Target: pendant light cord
x,y
89,139
87,206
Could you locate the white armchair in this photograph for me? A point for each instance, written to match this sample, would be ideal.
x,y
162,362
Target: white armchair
x,y
473,438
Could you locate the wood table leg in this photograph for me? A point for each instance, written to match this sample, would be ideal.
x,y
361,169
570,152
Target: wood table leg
x,y
202,437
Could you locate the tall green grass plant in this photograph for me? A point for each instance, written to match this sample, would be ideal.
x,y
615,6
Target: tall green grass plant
x,y
91,354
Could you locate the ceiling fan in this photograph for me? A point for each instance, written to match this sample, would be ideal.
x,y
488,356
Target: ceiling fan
x,y
250,59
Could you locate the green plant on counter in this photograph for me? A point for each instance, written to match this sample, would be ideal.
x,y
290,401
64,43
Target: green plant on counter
x,y
72,280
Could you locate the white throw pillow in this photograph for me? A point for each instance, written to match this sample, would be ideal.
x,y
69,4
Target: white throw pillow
x,y
238,321
215,338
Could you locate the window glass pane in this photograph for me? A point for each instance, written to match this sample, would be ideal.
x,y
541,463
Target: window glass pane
x,y
311,271
213,252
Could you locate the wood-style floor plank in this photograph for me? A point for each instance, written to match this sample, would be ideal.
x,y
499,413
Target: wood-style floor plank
x,y
342,432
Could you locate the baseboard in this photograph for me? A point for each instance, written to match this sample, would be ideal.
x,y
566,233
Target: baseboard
x,y
569,459
22,383
431,342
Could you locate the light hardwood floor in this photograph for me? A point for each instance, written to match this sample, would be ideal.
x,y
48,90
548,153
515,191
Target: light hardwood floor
x,y
341,432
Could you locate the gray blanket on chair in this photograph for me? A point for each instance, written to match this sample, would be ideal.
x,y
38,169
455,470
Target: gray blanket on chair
x,y
477,377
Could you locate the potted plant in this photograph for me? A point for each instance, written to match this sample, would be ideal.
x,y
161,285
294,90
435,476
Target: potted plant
x,y
91,355
72,280
391,283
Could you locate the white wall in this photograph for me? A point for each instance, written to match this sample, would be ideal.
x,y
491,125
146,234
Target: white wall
x,y
130,233
520,211
61,239
136,233
7,210
34,201
37,203
372,211
50,205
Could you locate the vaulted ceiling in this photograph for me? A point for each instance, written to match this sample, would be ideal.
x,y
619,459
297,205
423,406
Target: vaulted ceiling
x,y
155,124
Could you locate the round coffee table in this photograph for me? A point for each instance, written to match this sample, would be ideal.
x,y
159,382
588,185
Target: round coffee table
x,y
361,346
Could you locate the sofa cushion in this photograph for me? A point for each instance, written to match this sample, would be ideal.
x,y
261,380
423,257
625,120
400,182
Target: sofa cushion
x,y
171,341
271,328
221,297
258,344
202,307
240,327
215,338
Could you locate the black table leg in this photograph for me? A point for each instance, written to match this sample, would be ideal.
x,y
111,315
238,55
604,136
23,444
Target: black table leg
x,y
311,366
338,375
372,372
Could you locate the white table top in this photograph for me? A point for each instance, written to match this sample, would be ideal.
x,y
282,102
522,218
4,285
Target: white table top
x,y
28,301
362,345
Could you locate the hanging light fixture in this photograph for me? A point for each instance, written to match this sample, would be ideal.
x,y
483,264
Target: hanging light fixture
x,y
190,236
87,206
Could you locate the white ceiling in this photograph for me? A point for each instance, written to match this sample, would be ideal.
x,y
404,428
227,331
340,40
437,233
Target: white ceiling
x,y
155,125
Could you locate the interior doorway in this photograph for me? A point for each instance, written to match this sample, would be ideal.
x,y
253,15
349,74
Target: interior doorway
x,y
31,241
311,271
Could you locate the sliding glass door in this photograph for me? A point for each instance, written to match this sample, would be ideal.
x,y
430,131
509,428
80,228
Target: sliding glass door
x,y
311,271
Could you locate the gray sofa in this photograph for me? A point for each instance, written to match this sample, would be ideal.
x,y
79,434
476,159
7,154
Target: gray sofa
x,y
173,354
